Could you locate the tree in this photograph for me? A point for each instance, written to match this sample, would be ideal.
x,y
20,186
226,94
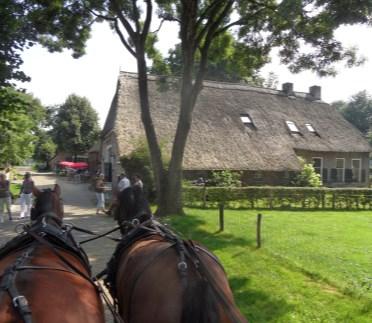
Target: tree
x,y
228,61
358,111
56,24
20,117
45,148
302,30
75,126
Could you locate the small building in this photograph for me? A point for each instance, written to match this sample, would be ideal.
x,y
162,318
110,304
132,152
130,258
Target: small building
x,y
258,131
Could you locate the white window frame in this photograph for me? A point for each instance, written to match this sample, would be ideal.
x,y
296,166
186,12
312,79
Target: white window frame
x,y
321,166
343,169
246,118
360,169
310,127
292,126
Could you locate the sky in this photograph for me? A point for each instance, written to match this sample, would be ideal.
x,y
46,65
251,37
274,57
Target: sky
x,y
54,76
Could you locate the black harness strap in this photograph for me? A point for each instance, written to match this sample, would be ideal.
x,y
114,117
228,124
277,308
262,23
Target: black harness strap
x,y
204,272
97,236
9,284
63,259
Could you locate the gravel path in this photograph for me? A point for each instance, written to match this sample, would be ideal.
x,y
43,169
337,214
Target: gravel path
x,y
79,210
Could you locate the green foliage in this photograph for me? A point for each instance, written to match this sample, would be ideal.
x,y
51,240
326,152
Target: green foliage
x,y
139,162
358,111
307,177
229,60
20,117
226,178
75,126
276,197
312,267
56,24
45,148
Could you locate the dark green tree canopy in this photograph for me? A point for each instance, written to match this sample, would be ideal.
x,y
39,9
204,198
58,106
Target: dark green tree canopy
x,y
56,24
20,117
75,125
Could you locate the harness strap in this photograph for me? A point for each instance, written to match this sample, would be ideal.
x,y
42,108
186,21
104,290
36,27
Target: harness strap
x,y
204,272
97,236
8,284
63,259
110,305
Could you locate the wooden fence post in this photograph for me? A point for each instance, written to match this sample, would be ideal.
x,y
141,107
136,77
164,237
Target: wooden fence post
x,y
259,219
204,197
222,219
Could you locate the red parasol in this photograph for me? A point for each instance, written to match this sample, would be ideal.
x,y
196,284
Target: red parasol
x,y
80,165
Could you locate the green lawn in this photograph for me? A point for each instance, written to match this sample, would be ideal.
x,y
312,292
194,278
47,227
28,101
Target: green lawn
x,y
312,267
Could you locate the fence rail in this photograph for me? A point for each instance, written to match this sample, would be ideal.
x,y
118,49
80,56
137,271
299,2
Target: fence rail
x,y
279,197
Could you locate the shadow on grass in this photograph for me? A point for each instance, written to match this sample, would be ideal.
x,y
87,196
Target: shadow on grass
x,y
190,227
256,306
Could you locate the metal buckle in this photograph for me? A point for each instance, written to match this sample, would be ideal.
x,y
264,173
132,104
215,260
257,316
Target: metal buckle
x,y
20,301
182,266
136,222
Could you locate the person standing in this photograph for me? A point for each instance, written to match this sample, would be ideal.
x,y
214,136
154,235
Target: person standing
x,y
26,196
100,195
123,182
137,182
5,199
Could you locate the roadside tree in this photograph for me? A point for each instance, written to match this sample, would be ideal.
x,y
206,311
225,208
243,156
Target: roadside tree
x,y
75,126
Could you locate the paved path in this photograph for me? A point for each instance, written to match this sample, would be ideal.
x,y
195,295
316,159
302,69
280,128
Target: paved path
x,y
79,210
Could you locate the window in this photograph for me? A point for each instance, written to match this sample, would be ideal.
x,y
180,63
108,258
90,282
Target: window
x,y
246,119
292,126
340,170
318,165
356,169
310,127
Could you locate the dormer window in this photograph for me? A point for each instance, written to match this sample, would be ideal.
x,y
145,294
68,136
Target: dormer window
x,y
310,127
292,126
246,119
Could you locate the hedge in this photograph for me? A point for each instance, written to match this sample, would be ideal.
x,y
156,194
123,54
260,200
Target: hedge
x,y
268,197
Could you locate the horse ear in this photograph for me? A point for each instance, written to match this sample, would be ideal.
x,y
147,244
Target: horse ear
x,y
36,191
57,189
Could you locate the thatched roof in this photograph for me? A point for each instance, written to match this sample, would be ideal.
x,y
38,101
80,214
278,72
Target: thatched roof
x,y
219,140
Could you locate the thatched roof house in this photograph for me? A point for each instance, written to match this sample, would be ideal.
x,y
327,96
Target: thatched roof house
x,y
240,127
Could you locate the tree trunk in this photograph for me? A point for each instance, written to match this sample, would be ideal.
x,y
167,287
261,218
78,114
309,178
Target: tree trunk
x,y
153,145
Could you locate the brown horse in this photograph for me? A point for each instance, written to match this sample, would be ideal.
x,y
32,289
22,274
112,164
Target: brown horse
x,y
156,277
44,275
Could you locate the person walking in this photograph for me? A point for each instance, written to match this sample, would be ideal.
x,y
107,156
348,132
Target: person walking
x,y
100,195
26,196
5,199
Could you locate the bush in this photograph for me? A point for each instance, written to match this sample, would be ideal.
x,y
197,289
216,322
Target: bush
x,y
226,178
308,177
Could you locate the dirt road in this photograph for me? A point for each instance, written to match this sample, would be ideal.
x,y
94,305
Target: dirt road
x,y
79,210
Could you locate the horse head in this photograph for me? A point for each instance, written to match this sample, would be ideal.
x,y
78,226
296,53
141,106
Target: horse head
x,y
133,206
47,204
